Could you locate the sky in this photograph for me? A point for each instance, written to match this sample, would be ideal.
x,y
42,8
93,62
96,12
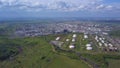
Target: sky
x,y
59,8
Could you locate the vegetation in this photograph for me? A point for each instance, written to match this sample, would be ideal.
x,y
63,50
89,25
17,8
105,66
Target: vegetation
x,y
65,62
35,52
113,63
7,48
115,33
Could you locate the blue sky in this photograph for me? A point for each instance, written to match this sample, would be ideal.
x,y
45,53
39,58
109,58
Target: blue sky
x,y
59,8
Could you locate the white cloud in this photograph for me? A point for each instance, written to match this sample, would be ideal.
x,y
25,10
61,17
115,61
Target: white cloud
x,y
61,5
109,7
100,6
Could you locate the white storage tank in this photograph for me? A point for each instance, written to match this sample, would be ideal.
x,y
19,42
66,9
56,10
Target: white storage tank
x,y
100,44
88,45
106,45
58,38
110,45
85,36
89,48
67,40
73,40
102,41
74,35
71,46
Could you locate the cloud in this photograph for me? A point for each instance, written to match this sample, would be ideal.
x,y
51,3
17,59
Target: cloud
x,y
100,6
59,5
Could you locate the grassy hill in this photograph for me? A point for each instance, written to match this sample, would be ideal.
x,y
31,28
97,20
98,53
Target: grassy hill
x,y
65,62
35,52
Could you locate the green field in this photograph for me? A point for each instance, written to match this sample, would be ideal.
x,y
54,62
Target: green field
x,y
113,63
36,52
65,62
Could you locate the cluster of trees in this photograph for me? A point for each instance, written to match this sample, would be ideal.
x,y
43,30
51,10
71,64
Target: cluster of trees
x,y
7,51
8,48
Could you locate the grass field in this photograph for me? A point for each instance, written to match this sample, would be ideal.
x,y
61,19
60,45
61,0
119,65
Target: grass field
x,y
65,62
113,63
37,52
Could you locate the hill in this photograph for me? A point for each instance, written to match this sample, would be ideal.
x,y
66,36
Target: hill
x,y
34,52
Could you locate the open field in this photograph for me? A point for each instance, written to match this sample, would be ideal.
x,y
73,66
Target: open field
x,y
113,63
36,52
65,62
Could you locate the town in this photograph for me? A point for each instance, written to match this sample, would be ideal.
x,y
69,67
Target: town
x,y
65,27
95,35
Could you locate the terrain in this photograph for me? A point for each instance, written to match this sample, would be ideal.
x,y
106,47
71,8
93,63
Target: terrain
x,y
34,53
38,51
